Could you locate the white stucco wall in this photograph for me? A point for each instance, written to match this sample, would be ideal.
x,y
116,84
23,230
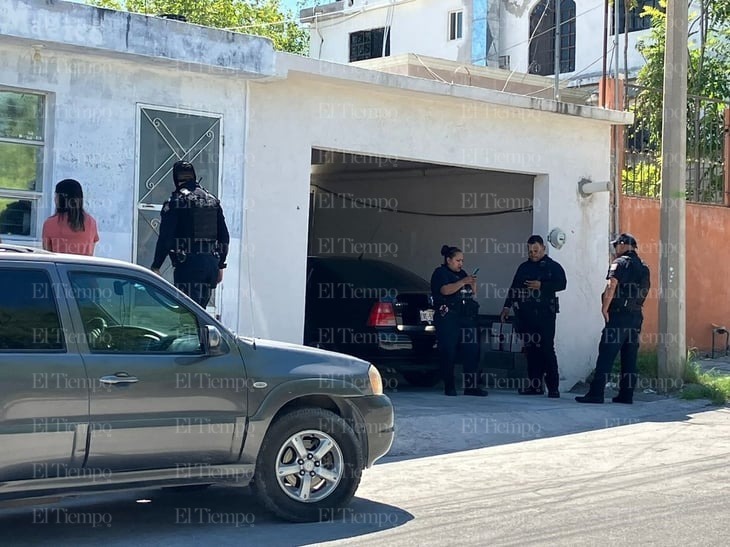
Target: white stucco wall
x,y
269,130
92,131
417,26
288,118
96,67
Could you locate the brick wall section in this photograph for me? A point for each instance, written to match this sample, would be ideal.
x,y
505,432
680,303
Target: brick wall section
x,y
708,266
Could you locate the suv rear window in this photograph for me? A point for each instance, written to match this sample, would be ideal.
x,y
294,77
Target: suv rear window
x,y
28,314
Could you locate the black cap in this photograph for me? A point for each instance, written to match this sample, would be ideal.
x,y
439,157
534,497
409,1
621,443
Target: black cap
x,y
182,172
626,239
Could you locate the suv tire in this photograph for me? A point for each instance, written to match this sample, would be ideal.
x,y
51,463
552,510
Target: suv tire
x,y
310,442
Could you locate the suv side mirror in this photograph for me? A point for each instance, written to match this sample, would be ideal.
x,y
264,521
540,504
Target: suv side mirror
x,y
212,340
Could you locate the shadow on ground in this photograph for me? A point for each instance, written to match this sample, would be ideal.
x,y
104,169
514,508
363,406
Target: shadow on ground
x,y
214,516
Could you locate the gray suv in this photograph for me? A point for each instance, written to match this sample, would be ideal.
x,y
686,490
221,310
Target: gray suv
x,y
112,379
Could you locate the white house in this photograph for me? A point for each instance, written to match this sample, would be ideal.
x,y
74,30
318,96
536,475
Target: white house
x,y
518,35
113,99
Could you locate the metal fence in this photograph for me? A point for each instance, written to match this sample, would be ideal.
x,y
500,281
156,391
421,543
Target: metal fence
x,y
707,141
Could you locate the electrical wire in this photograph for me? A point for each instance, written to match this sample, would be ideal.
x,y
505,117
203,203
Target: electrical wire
x,y
365,205
575,17
528,41
571,78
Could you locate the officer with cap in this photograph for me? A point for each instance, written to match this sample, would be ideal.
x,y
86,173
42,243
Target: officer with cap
x,y
194,234
627,288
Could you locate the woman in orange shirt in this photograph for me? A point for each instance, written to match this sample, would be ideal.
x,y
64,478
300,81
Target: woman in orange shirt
x,y
71,229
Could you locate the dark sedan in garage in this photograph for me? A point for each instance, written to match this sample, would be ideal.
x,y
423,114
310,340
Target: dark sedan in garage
x,y
373,310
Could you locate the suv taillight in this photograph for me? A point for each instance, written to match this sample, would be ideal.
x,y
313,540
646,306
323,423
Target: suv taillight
x,y
382,315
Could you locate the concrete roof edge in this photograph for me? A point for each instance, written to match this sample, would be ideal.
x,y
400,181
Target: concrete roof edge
x,y
118,33
287,64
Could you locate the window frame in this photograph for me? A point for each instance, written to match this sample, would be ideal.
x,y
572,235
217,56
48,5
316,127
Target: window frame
x,y
455,27
386,38
541,37
37,196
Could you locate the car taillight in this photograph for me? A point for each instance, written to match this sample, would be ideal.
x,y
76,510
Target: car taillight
x,y
382,315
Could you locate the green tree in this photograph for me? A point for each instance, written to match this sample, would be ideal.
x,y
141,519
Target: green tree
x,y
259,17
708,44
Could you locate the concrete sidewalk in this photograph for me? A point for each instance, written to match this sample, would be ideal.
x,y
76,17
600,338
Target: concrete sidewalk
x,y
429,423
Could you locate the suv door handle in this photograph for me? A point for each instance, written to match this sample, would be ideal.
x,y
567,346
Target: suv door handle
x,y
119,378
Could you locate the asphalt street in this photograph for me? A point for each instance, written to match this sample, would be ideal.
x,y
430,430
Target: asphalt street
x,y
504,470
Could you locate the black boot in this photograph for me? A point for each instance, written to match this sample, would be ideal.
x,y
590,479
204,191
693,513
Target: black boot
x,y
624,398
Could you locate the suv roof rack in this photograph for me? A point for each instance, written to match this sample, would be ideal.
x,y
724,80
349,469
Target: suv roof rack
x,y
8,247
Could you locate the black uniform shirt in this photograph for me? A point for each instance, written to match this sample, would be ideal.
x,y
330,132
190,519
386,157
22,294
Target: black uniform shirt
x,y
549,273
620,268
444,276
169,229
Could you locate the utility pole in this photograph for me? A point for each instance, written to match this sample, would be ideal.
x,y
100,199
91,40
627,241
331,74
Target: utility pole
x,y
558,48
672,312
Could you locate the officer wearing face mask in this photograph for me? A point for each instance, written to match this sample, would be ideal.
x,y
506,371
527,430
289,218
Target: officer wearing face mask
x,y
194,234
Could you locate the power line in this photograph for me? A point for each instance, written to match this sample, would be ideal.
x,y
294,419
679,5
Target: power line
x,y
364,204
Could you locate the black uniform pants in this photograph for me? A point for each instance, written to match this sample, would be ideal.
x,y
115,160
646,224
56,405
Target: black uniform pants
x,y
620,335
197,276
458,339
537,330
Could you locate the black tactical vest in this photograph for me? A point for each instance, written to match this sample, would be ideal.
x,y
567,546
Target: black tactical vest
x,y
197,215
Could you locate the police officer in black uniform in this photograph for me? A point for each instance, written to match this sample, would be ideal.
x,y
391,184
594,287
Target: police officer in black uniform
x,y
194,234
455,318
627,287
532,295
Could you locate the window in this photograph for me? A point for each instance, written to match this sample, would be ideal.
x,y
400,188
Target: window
x,y
125,315
456,25
636,21
28,315
542,37
368,44
21,157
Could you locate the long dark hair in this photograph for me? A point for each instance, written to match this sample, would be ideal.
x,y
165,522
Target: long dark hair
x,y
71,203
449,252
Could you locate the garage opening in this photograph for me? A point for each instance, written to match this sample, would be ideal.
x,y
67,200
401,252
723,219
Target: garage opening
x,y
368,213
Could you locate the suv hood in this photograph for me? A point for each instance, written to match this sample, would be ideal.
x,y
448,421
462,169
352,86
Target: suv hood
x,y
269,356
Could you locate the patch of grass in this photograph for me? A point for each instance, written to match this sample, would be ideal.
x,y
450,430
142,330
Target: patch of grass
x,y
705,385
647,364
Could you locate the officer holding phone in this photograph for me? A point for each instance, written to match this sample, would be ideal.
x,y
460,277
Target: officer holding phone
x,y
457,331
532,295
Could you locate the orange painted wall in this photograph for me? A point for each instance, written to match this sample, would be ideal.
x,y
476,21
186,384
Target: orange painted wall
x,y
707,266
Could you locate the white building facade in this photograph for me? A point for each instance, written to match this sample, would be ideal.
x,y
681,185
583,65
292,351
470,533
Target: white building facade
x,y
518,35
113,99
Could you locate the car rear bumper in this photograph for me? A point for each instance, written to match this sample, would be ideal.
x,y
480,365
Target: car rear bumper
x,y
378,422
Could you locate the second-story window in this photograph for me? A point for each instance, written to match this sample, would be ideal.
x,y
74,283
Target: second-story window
x,y
456,25
636,21
369,44
542,37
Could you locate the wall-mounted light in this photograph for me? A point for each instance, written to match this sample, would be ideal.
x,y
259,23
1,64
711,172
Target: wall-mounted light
x,y
586,187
